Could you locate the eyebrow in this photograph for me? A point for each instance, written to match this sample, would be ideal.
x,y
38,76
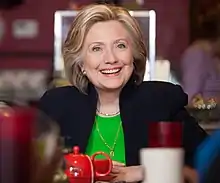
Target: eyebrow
x,y
116,41
96,42
121,39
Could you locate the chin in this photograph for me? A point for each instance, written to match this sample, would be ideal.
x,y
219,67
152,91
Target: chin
x,y
112,86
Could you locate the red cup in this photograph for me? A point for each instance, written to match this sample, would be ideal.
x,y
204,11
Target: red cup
x,y
106,163
101,165
165,134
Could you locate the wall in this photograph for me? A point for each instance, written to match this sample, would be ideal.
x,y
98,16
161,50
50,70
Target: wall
x,y
31,53
172,27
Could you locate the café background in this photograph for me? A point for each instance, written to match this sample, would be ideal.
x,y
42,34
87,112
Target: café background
x,y
177,21
37,52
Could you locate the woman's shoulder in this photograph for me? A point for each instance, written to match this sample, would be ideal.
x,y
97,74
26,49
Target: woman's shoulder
x,y
61,93
160,87
56,100
163,92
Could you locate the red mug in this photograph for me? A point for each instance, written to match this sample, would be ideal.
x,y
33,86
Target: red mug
x,y
165,134
102,166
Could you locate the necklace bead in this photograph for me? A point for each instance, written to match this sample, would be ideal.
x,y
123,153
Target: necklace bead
x,y
107,114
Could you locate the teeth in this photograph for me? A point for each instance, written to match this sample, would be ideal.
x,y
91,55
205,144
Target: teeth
x,y
112,71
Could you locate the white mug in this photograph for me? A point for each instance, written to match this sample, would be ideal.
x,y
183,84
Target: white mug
x,y
163,165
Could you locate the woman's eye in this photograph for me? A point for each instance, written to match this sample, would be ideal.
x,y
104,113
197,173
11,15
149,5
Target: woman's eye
x,y
96,48
121,46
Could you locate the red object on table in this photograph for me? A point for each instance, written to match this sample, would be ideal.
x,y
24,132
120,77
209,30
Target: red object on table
x,y
81,168
15,143
165,134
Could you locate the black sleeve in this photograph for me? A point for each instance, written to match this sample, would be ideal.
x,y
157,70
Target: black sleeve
x,y
193,134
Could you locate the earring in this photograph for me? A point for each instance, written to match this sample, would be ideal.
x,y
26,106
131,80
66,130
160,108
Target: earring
x,y
84,72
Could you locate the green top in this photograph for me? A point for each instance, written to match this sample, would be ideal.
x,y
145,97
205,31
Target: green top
x,y
108,128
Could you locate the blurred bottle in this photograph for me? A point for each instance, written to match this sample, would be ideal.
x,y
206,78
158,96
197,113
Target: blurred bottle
x,y
25,134
7,169
163,158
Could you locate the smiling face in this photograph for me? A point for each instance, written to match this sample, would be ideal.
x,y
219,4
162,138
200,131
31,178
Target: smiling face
x,y
107,55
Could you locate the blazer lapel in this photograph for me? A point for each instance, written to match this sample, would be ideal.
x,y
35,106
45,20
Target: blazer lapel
x,y
126,110
78,124
88,119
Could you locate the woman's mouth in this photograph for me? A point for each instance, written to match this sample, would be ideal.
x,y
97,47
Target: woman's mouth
x,y
110,71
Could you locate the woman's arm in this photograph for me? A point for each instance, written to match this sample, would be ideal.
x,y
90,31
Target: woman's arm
x,y
193,135
135,174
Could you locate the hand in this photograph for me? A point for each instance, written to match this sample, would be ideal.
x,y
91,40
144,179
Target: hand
x,y
190,175
136,173
117,164
127,174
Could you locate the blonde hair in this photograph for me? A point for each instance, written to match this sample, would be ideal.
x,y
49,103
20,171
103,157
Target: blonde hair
x,y
84,20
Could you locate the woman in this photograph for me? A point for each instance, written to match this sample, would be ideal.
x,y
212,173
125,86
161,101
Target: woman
x,y
109,107
200,62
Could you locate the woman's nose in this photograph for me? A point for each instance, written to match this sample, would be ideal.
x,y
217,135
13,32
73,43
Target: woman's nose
x,y
110,57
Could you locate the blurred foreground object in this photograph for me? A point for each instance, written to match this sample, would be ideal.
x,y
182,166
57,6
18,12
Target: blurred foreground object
x,y
29,148
164,152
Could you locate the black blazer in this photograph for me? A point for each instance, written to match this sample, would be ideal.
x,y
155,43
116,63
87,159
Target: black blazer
x,y
139,105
